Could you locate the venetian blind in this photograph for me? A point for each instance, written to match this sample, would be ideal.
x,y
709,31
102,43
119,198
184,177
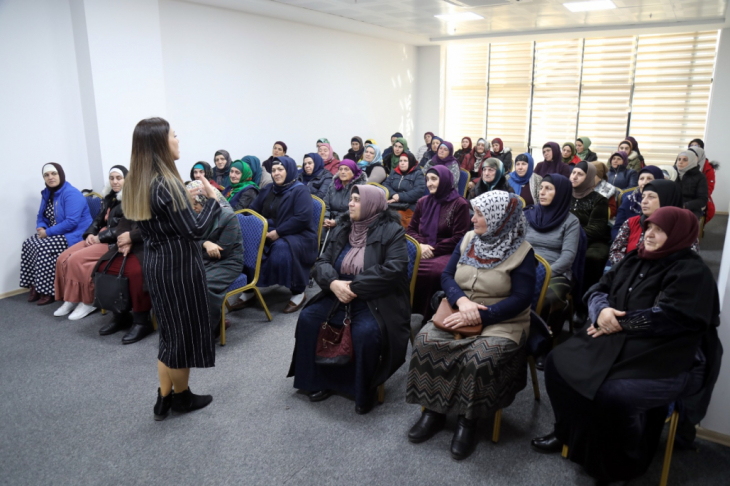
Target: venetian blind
x,y
466,92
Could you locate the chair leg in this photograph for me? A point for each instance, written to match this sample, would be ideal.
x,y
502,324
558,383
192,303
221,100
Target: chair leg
x,y
381,393
565,451
261,300
533,373
497,425
154,322
103,312
670,448
223,322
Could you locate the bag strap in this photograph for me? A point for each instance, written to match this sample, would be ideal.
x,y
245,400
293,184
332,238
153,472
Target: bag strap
x,y
333,311
121,270
110,262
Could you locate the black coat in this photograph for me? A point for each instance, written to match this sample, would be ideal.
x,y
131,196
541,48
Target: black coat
x,y
108,202
409,187
481,187
117,224
319,184
694,190
383,285
590,157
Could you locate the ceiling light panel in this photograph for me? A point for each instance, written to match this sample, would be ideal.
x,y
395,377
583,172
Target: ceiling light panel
x,y
590,6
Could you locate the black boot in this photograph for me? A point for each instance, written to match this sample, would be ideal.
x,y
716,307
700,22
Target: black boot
x,y
547,444
427,426
141,328
119,322
186,401
464,441
162,407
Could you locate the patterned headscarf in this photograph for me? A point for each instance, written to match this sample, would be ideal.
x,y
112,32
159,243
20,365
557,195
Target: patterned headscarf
x,y
506,229
202,198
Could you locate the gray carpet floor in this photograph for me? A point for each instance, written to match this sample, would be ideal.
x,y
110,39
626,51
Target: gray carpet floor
x,y
76,408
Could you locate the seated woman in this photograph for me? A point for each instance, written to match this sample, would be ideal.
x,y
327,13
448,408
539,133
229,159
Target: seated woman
x,y
363,273
243,190
610,387
465,151
261,177
609,191
479,155
222,166
203,169
431,152
291,243
279,150
445,157
336,200
583,147
399,147
631,203
619,175
498,152
490,278
553,163
356,151
389,151
708,168
438,224
692,182
406,185
493,179
523,180
62,218
222,248
570,154
425,147
372,164
315,176
331,162
635,161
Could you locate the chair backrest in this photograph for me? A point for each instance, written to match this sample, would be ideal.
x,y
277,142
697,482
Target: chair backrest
x,y
253,230
522,200
94,201
385,189
464,181
621,195
318,209
414,260
542,280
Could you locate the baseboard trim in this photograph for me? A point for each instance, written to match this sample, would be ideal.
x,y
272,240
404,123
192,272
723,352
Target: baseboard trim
x,y
713,436
12,293
721,213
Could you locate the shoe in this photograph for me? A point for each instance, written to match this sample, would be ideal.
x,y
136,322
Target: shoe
x,y
318,396
540,362
367,406
547,444
186,401
141,328
162,407
292,307
464,441
45,299
427,426
120,321
33,295
242,305
65,309
82,310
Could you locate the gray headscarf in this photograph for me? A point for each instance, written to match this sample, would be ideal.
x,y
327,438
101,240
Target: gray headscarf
x,y
693,162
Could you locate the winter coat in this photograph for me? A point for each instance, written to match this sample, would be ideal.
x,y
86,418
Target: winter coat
x,y
592,212
116,224
319,184
243,198
410,187
694,190
70,210
110,200
590,157
636,161
623,178
337,202
506,158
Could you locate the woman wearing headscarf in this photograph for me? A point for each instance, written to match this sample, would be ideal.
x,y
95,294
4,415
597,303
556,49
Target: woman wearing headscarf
x,y
610,387
493,179
431,152
363,274
372,164
708,169
356,151
480,154
400,146
609,191
631,203
569,154
692,182
490,279
657,194
279,150
445,156
62,218
222,165
203,169
261,177
629,146
424,148
553,163
499,152
406,185
439,221
389,151
331,162
243,190
523,180
338,195
465,149
583,149
291,241
619,174
315,176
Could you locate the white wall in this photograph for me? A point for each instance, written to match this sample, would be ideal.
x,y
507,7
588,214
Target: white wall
x,y
428,99
40,117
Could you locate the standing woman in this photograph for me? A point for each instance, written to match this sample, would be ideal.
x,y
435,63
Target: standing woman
x,y
314,175
357,149
692,182
62,218
243,190
222,162
553,163
524,181
331,163
583,147
173,266
279,150
445,156
372,164
498,152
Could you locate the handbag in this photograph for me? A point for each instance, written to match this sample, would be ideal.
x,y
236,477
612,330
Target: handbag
x,y
111,292
445,310
334,342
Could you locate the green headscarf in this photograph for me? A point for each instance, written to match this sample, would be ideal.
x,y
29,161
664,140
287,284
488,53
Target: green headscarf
x,y
572,152
395,158
245,179
586,145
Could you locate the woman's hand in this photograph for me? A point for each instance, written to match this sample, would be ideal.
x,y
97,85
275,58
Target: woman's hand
x,y
342,291
607,323
272,235
470,185
213,250
468,314
207,188
124,249
92,240
123,239
41,232
329,223
426,251
393,199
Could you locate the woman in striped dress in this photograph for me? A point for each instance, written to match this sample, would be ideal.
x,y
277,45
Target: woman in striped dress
x,y
173,266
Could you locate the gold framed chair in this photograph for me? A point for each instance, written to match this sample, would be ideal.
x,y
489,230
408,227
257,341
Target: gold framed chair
x,y
385,189
522,200
464,177
621,196
318,211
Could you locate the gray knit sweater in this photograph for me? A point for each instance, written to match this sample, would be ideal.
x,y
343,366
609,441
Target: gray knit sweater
x,y
558,246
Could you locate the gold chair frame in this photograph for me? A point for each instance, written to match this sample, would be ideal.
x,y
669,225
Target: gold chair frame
x,y
385,189
321,222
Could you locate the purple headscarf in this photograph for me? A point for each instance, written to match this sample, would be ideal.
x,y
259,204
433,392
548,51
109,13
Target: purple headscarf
x,y
445,193
448,160
356,171
554,166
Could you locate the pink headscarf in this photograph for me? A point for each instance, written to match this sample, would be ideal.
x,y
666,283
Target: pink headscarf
x,y
372,204
331,163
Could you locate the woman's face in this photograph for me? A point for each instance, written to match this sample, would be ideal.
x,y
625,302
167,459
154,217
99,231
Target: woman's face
x,y
308,166
354,207
432,183
323,152
198,173
567,152
197,207
51,178
577,177
644,179
278,150
369,154
427,138
403,164
345,174
235,175
495,147
694,144
547,153
521,167
654,237
624,147
616,161
174,144
443,152
481,148
435,145
682,161
649,203
397,148
579,145
116,181
488,173
355,145
220,162
480,223
464,143
278,173
547,193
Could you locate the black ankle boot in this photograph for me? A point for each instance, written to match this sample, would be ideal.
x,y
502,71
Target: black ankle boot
x,y
186,401
427,426
464,441
119,322
141,328
547,444
162,407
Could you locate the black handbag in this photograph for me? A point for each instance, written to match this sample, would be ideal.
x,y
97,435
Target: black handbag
x,y
111,292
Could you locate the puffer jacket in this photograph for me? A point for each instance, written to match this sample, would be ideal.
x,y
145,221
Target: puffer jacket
x,y
337,201
623,178
319,184
409,187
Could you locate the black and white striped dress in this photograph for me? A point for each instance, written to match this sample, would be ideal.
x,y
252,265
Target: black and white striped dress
x,y
175,276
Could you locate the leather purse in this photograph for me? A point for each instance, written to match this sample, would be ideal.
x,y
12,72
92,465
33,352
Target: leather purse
x,y
111,292
334,342
445,310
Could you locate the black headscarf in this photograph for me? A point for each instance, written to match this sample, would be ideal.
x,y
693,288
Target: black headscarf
x,y
355,155
668,191
221,175
546,218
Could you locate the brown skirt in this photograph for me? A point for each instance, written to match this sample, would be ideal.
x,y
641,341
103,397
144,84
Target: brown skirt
x,y
73,272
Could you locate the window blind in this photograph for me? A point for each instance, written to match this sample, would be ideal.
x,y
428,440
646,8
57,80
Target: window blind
x,y
466,92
